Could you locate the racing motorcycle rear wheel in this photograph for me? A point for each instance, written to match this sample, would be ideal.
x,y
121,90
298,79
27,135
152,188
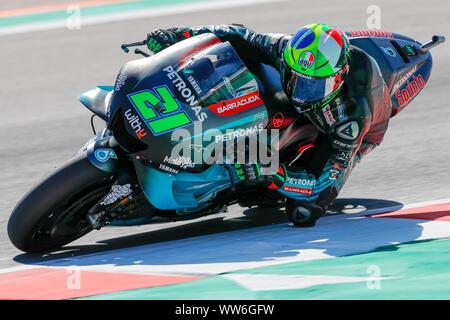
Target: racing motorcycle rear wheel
x,y
54,213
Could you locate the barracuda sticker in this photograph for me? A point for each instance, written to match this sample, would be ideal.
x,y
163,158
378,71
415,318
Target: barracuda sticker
x,y
236,105
159,109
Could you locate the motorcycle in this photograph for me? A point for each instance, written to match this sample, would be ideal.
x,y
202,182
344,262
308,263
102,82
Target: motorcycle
x,y
127,173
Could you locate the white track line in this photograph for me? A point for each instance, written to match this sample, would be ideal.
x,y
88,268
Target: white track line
x,y
134,14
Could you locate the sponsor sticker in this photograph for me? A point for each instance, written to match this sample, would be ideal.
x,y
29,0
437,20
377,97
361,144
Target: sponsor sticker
x,y
344,155
117,192
194,83
404,78
412,88
348,131
182,162
185,92
371,33
167,168
236,105
303,182
235,134
344,145
277,120
334,174
304,191
340,109
259,116
121,78
306,59
328,115
135,124
104,154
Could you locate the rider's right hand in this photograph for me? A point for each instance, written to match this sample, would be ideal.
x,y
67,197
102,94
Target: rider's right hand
x,y
160,39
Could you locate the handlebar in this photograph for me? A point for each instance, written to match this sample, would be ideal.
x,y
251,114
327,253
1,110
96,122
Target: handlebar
x,y
125,47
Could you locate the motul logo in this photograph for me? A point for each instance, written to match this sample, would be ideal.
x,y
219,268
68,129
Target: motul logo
x,y
236,105
240,103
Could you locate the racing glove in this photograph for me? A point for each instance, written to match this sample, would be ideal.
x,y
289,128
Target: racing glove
x,y
253,174
160,39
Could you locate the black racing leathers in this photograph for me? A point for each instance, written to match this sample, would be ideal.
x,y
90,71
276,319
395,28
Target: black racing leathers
x,y
354,123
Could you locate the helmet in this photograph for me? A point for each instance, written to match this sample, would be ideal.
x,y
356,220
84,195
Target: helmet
x,y
315,65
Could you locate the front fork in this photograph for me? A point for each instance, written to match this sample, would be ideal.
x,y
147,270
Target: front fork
x,y
105,154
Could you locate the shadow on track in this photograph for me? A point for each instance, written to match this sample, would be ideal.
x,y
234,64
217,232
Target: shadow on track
x,y
251,218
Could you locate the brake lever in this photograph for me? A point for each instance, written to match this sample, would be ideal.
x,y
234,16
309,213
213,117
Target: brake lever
x,y
139,51
125,46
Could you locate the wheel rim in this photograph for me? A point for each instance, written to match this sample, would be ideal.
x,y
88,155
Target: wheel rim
x,y
69,221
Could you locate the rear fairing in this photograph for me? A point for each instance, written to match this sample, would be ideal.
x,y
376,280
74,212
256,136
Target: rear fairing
x,y
405,70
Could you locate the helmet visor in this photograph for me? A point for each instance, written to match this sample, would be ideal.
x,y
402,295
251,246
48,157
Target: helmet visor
x,y
308,90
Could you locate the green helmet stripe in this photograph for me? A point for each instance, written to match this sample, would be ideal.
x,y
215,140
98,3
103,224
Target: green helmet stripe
x,y
318,51
323,48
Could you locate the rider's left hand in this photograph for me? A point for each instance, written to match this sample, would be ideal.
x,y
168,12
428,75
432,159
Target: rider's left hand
x,y
252,174
160,39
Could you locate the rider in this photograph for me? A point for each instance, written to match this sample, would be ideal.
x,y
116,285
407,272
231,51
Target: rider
x,y
338,87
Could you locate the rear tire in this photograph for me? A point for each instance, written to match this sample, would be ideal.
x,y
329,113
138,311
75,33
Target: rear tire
x,y
54,213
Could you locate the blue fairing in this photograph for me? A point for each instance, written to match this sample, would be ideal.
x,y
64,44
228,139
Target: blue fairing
x,y
184,190
97,100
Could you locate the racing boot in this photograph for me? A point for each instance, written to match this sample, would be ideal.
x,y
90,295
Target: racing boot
x,y
303,213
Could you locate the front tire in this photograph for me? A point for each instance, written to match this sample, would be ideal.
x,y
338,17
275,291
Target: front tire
x,y
54,213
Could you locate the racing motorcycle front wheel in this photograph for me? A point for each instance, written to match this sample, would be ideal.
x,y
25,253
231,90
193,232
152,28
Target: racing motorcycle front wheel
x,y
54,213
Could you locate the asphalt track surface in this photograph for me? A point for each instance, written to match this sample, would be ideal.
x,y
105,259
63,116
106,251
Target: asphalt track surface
x,y
42,124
